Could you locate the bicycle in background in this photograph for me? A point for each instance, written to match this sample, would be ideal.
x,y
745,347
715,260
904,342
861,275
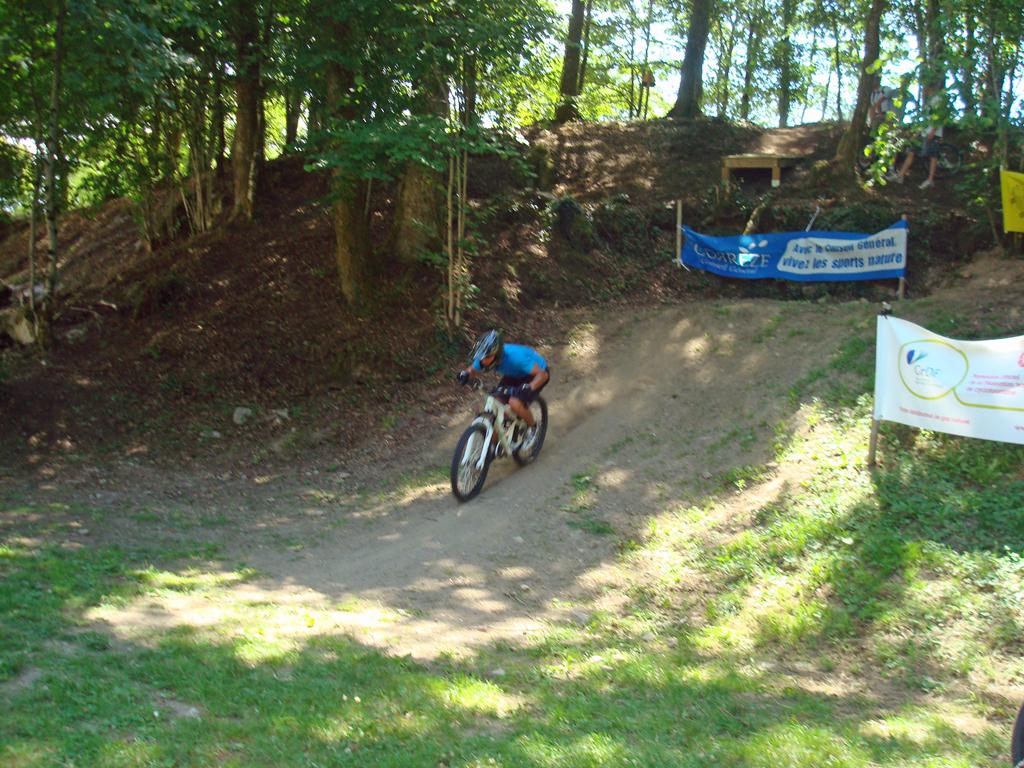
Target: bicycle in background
x,y
949,160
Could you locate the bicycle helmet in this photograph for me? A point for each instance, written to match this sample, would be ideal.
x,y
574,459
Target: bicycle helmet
x,y
489,344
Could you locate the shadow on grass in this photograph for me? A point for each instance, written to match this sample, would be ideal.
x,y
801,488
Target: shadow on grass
x,y
73,695
237,696
938,503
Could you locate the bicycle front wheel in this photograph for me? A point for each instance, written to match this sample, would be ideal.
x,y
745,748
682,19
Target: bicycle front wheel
x,y
467,473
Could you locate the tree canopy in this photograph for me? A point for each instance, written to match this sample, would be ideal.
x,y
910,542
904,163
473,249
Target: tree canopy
x,y
151,99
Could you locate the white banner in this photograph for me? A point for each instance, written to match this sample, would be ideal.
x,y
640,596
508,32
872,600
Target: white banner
x,y
969,388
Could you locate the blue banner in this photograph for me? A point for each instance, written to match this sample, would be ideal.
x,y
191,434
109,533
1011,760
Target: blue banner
x,y
803,256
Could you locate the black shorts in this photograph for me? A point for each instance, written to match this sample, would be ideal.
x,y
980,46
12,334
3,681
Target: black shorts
x,y
518,381
929,148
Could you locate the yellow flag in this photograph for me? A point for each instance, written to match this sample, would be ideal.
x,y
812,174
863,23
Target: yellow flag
x,y
1013,200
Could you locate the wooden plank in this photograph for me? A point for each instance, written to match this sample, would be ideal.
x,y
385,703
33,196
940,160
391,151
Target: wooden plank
x,y
759,161
775,163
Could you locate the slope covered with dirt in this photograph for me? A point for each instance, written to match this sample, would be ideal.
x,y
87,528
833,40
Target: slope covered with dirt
x,y
157,351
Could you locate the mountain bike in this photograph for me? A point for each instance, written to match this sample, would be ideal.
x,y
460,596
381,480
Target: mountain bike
x,y
496,431
949,160
1017,741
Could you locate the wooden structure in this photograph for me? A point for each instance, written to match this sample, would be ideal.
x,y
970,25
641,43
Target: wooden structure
x,y
774,162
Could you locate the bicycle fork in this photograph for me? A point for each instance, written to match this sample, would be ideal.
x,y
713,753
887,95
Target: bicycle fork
x,y
504,439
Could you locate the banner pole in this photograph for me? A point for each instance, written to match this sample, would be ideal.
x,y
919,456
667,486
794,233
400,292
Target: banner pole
x,y
901,292
873,442
679,229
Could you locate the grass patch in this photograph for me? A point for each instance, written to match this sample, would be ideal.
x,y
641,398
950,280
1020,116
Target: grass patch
x,y
742,477
767,331
643,688
584,493
589,524
854,619
918,561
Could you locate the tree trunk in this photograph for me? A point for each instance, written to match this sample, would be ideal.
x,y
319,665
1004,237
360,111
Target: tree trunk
x,y
1003,141
807,91
935,62
350,241
785,63
172,148
52,159
220,141
839,68
921,32
750,63
418,212
569,88
645,94
692,71
825,93
967,93
419,209
33,232
244,148
633,106
199,151
458,262
850,144
350,235
469,90
992,83
725,70
586,48
292,113
261,96
315,112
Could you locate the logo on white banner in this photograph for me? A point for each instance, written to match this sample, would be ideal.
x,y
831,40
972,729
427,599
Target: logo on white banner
x,y
931,369
969,388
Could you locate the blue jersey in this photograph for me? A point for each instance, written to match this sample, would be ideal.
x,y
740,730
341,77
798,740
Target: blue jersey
x,y
517,361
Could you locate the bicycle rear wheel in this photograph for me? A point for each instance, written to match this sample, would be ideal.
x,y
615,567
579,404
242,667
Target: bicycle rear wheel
x,y
1017,742
466,476
948,160
865,159
528,451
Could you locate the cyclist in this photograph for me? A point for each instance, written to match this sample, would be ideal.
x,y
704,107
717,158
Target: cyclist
x,y
881,105
524,372
882,110
931,135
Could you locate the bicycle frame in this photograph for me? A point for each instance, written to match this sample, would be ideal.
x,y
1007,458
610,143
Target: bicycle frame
x,y
492,418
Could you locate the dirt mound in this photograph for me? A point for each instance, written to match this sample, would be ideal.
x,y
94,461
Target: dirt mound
x,y
244,316
651,162
251,316
812,141
662,160
96,246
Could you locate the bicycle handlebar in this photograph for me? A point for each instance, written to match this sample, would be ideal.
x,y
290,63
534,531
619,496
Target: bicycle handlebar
x,y
498,389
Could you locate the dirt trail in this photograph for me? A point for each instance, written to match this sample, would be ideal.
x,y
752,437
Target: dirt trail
x,y
641,403
647,408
